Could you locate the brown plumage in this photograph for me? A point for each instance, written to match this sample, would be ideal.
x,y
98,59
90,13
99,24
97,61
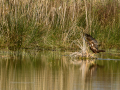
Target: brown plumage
x,y
93,44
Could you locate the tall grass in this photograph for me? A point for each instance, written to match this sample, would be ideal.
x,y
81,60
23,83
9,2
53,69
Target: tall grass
x,y
57,23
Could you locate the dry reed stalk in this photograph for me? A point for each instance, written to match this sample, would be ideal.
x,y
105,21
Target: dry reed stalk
x,y
86,12
50,16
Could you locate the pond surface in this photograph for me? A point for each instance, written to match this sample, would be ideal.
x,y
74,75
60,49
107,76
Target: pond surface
x,y
54,70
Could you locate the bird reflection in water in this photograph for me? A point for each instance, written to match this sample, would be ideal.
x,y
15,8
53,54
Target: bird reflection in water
x,y
87,67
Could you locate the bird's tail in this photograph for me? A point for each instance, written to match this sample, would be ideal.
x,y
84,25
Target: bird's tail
x,y
101,51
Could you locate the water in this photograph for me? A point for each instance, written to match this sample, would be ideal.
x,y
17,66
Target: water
x,y
53,70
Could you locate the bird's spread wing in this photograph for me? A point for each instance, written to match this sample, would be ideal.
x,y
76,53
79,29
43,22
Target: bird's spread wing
x,y
93,44
92,41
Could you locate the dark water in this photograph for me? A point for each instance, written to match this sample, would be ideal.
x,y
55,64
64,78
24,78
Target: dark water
x,y
54,70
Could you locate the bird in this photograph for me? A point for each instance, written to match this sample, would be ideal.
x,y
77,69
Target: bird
x,y
93,44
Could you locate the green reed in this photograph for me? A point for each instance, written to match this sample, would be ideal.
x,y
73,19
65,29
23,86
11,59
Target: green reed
x,y
52,24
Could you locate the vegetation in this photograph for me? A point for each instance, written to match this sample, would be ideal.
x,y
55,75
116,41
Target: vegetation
x,y
58,24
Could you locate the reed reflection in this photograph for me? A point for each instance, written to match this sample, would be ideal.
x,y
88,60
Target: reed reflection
x,y
87,68
53,71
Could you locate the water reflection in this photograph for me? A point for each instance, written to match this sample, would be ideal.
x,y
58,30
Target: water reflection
x,y
87,69
48,70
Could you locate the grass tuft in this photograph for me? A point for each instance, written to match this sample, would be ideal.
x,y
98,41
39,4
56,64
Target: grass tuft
x,y
57,24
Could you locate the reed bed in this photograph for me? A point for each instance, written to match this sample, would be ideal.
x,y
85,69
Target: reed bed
x,y
53,24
